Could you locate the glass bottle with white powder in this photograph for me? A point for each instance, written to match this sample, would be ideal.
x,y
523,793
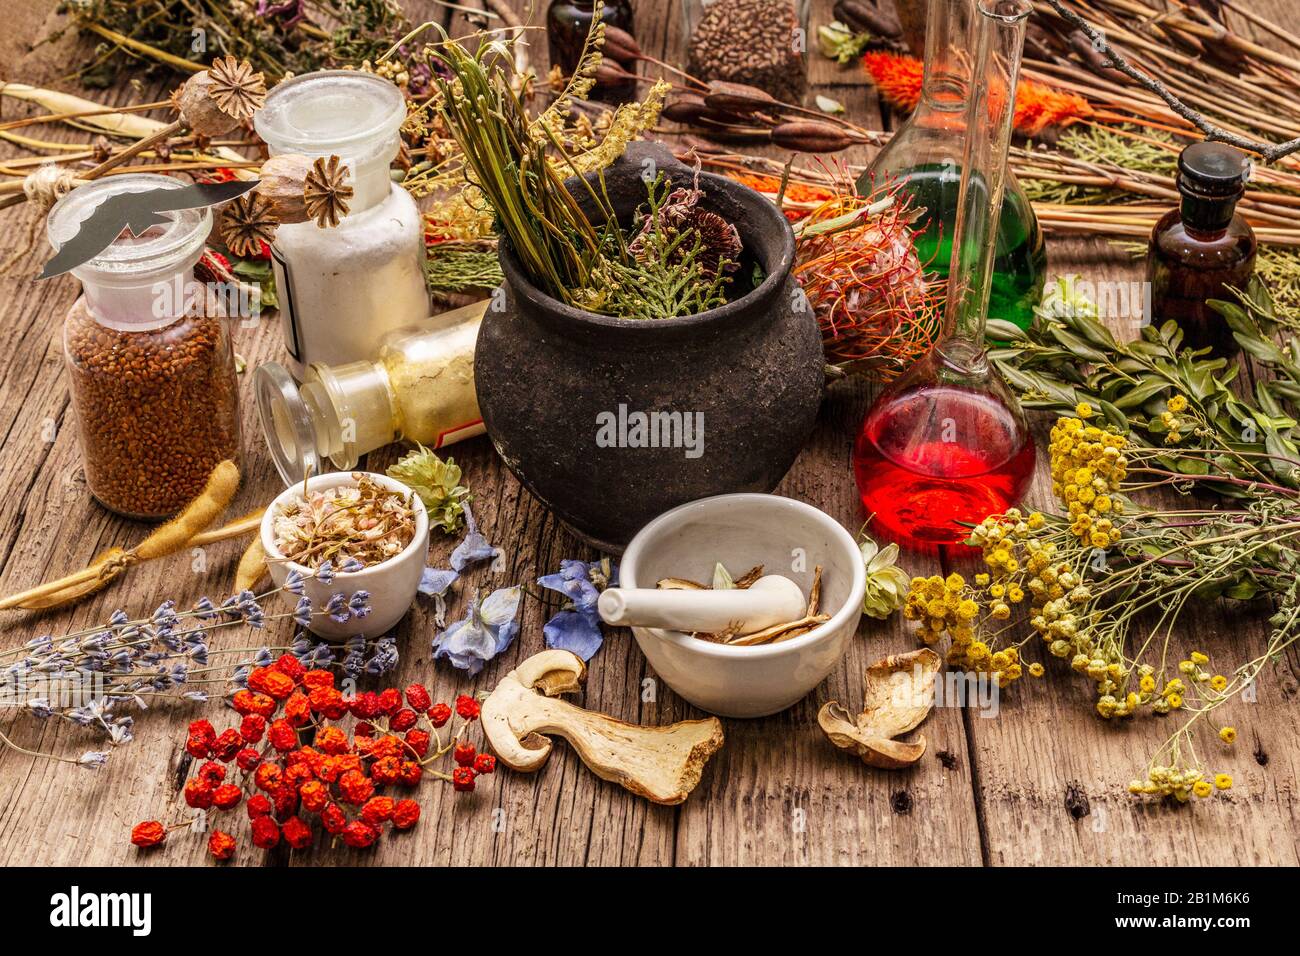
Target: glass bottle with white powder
x,y
342,290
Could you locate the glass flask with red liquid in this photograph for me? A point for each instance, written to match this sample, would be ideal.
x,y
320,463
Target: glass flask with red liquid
x,y
947,444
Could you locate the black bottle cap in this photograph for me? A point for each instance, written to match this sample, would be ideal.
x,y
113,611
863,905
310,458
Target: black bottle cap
x,y
1213,170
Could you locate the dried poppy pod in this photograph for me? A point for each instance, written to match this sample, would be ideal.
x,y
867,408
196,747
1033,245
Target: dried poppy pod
x,y
214,102
300,188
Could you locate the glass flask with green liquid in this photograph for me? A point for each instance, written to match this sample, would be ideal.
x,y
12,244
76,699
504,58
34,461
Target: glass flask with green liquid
x,y
924,159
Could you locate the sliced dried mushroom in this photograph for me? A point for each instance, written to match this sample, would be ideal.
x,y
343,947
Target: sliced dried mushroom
x,y
899,695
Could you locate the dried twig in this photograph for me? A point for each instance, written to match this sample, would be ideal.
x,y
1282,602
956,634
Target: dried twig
x,y
1269,151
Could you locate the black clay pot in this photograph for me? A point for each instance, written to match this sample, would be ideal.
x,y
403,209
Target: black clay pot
x,y
570,398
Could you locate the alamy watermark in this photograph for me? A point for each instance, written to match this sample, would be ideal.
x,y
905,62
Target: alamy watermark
x,y
636,429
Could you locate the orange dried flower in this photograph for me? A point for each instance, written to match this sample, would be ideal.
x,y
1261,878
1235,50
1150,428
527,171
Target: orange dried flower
x,y
898,78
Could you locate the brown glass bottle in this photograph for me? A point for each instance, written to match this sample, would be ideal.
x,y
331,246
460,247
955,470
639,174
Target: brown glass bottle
x,y
1202,248
567,23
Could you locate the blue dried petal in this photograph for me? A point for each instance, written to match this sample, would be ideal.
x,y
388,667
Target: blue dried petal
x,y
575,631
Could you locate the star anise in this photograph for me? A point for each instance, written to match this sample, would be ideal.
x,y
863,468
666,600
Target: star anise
x,y
236,88
326,193
246,223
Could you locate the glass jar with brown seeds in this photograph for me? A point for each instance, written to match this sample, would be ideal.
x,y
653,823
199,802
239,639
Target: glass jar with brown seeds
x,y
150,364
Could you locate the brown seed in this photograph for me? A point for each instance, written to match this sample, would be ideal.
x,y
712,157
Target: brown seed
x,y
738,97
810,136
620,45
156,410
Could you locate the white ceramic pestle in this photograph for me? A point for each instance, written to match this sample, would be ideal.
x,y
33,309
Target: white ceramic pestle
x,y
769,601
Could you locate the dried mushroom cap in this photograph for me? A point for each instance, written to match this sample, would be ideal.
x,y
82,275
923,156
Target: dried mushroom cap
x,y
899,695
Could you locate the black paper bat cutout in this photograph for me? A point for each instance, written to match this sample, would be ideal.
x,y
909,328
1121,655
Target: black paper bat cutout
x,y
136,212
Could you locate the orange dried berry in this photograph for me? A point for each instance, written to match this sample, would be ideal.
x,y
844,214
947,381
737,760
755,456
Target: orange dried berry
x,y
417,698
317,678
266,833
283,736
198,794
314,795
248,759
227,745
462,779
212,773
258,806
221,845
226,796
464,754
359,834
328,702
290,666
267,777
439,714
467,707
296,833
377,810
297,709
417,741
403,720
250,702
333,819
252,728
355,787
386,770
405,814
147,834
272,683
332,740
410,773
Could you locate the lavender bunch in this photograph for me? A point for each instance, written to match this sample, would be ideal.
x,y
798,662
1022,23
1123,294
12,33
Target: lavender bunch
x,y
92,677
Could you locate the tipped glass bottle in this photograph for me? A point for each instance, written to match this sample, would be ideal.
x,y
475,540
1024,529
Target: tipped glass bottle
x,y
924,157
342,289
420,387
1202,248
948,443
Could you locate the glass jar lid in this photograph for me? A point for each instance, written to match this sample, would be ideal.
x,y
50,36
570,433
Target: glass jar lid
x,y
162,248
331,111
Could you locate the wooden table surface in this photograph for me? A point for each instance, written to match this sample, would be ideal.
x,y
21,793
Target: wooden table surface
x,y
1041,783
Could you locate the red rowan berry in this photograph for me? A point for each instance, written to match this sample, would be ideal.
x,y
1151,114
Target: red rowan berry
x,y
212,773
333,819
200,748
464,754
390,701
314,795
485,763
439,714
271,683
286,801
248,759
318,678
202,729
226,796
462,778
252,727
282,735
411,773
198,794
267,776
221,845
405,814
297,709
364,729
290,666
249,702
332,740
377,810
418,742
266,833
328,702
227,745
417,697
359,834
386,770
404,719
355,787
364,706
147,834
467,707
258,806
296,833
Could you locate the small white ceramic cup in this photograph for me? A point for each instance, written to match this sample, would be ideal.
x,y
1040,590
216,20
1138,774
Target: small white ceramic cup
x,y
392,584
785,536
